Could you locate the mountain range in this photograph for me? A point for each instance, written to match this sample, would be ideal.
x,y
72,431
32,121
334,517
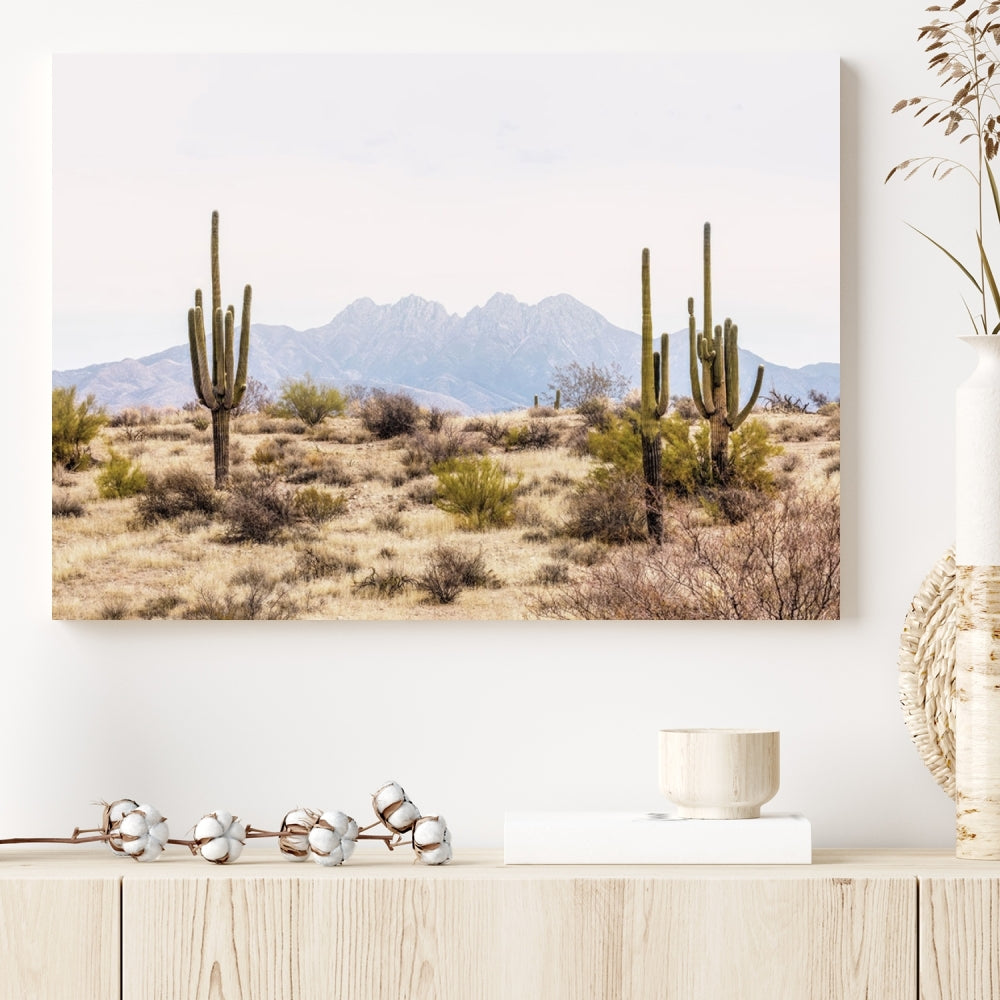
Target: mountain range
x,y
496,357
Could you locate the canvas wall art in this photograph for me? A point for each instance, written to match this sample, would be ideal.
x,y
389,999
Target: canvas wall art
x,y
446,337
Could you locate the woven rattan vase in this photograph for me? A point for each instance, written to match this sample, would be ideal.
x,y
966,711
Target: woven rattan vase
x,y
977,579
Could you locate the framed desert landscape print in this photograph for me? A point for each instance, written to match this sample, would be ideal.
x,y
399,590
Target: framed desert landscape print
x,y
446,337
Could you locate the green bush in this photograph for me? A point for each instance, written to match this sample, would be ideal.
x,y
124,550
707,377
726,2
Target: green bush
x,y
685,466
74,426
685,462
618,443
120,478
310,402
319,506
477,491
749,450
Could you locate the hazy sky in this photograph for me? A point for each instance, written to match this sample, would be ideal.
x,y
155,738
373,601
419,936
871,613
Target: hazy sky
x,y
449,177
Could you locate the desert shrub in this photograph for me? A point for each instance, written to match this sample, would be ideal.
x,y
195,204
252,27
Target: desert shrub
x,y
732,504
390,582
618,443
132,435
116,608
749,449
74,426
778,402
818,399
159,606
685,408
829,451
256,398
318,506
831,427
66,505
783,563
608,506
536,434
257,510
798,430
532,514
132,416
535,536
577,439
389,520
317,466
449,570
174,493
595,412
442,588
313,563
170,432
578,383
551,574
491,429
831,467
253,594
582,553
477,491
423,491
388,414
435,419
427,449
119,478
310,402
789,463
200,422
267,455
684,462
685,465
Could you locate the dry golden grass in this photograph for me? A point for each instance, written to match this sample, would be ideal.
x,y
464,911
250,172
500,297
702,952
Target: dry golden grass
x,y
106,566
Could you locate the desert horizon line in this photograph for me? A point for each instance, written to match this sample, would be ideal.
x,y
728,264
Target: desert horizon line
x,y
681,330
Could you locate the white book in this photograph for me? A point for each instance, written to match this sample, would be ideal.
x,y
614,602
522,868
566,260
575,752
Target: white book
x,y
612,838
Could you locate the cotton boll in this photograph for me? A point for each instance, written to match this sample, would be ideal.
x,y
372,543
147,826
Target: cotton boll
x,y
322,840
432,840
295,827
393,808
143,833
220,837
114,813
208,827
332,838
435,856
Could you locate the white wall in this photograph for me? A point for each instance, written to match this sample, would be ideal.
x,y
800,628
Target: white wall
x,y
474,719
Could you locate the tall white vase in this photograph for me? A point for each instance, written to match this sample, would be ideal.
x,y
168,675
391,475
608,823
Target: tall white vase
x,y
977,558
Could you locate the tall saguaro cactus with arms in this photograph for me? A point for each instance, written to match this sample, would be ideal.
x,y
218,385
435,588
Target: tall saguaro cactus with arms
x,y
716,389
653,404
221,386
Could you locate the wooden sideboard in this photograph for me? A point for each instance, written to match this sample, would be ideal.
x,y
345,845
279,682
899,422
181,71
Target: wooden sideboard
x,y
78,923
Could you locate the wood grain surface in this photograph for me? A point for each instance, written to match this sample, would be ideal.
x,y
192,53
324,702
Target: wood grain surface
x,y
59,938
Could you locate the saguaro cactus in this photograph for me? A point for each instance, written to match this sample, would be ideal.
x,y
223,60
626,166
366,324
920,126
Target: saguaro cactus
x,y
655,389
716,390
221,387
